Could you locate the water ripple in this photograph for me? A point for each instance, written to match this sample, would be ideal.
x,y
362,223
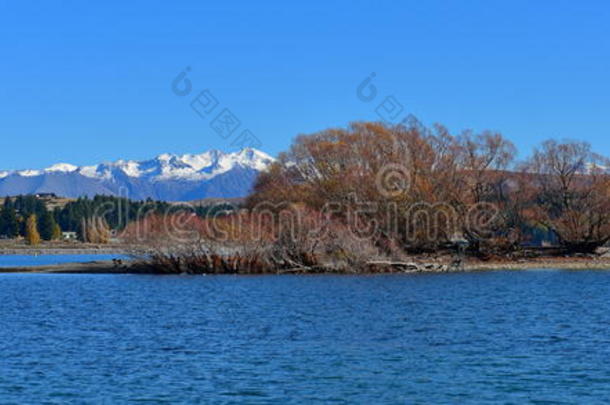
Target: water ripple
x,y
510,337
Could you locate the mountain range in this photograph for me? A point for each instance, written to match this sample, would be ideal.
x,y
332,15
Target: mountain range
x,y
167,177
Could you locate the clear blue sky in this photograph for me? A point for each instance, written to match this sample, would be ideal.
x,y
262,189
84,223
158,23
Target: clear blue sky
x,y
85,82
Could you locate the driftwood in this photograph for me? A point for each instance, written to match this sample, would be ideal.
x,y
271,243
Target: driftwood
x,y
405,267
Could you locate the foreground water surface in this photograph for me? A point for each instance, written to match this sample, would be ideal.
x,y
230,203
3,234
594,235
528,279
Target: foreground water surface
x,y
514,337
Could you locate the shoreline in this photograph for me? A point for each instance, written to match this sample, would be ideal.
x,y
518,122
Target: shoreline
x,y
67,249
541,264
64,251
110,267
101,267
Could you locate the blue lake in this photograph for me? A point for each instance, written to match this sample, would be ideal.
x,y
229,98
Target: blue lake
x,y
488,337
45,260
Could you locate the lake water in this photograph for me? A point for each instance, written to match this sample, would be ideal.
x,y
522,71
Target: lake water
x,y
489,337
45,260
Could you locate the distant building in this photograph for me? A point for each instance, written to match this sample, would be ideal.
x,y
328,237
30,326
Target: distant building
x,y
46,195
69,236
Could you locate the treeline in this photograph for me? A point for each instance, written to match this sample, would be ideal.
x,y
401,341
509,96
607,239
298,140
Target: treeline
x,y
413,188
28,216
88,217
347,198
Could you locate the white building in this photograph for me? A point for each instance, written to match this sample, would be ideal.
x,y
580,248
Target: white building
x,y
69,236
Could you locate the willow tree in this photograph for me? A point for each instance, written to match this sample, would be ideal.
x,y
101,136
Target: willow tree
x,y
414,185
487,204
572,194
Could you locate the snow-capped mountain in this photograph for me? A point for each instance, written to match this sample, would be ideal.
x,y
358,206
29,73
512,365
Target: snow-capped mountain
x,y
166,177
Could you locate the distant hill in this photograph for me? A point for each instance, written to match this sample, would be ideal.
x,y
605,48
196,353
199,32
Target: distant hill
x,y
51,200
167,177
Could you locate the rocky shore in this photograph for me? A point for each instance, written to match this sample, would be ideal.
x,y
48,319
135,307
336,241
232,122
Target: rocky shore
x,y
558,263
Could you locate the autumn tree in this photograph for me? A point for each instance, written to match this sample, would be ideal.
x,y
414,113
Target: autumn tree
x,y
418,182
572,194
56,235
486,195
32,236
95,230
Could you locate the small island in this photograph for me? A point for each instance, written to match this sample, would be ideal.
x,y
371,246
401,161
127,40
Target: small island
x,y
369,198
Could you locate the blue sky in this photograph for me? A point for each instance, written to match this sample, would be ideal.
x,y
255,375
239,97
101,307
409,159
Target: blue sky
x,y
85,82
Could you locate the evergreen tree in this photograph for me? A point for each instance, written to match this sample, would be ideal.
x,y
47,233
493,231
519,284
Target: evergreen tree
x,y
9,226
31,231
46,225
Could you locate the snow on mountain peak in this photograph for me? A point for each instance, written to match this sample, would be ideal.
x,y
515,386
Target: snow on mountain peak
x,y
29,173
201,161
61,167
253,158
596,167
203,166
209,164
195,167
166,177
56,168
